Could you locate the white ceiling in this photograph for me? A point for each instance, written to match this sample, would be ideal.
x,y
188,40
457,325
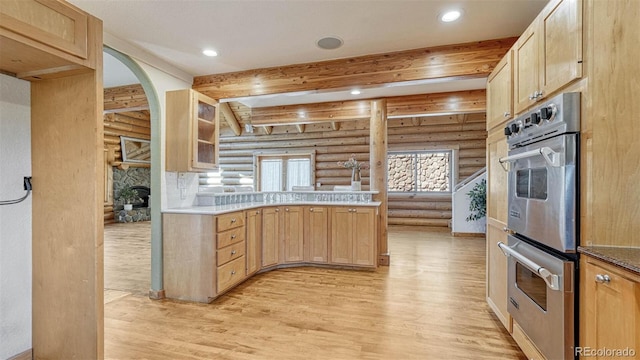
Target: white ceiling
x,y
250,34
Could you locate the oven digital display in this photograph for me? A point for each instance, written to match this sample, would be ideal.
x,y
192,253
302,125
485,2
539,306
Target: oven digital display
x,y
532,183
532,285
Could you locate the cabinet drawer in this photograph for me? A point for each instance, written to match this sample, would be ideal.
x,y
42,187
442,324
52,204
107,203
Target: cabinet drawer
x,y
230,221
231,252
230,237
230,274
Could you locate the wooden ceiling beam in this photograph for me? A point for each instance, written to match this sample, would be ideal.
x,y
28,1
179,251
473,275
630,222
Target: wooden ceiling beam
x,y
230,118
125,98
457,102
459,61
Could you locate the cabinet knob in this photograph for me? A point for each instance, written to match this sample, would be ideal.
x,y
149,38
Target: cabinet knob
x,y
233,272
233,252
311,209
233,220
507,114
233,236
603,279
286,209
277,210
257,212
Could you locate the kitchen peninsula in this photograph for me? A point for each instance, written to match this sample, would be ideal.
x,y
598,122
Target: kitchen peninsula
x,y
227,238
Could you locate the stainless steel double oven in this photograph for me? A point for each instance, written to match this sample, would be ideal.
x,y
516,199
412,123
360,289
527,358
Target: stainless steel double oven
x,y
543,226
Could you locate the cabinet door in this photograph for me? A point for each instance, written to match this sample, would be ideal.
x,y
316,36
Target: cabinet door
x,y
497,177
270,236
610,311
341,236
293,234
205,132
316,234
525,71
560,38
254,241
364,236
497,273
500,93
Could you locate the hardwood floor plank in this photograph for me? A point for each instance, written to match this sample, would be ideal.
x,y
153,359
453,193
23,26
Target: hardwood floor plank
x,y
429,304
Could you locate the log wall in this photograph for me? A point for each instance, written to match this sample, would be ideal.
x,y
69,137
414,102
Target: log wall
x,y
123,117
466,133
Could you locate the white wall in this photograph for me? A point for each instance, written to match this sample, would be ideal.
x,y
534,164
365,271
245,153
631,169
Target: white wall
x,y
461,202
15,220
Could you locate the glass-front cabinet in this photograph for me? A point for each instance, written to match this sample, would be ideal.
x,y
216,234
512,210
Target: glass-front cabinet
x,y
192,131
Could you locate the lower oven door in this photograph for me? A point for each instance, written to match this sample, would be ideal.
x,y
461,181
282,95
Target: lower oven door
x,y
541,297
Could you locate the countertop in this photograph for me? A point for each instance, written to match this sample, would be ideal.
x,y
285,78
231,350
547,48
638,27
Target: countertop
x,y
223,209
624,257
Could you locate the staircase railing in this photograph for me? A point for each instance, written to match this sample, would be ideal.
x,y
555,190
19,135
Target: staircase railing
x,y
470,179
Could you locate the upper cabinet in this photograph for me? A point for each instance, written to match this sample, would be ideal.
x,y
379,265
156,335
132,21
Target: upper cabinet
x,y
192,132
548,55
500,93
45,38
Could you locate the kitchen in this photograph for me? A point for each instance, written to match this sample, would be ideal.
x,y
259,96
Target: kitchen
x,y
615,220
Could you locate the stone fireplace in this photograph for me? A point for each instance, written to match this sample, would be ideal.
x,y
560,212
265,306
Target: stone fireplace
x,y
138,179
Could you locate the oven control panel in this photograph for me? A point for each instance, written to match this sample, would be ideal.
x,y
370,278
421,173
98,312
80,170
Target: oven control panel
x,y
558,115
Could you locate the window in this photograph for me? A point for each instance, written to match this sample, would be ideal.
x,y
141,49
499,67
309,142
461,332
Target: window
x,y
420,171
281,172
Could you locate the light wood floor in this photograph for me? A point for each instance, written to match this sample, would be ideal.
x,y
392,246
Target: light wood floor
x,y
429,304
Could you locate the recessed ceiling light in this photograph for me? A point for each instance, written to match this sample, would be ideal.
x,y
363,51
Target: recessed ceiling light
x,y
210,52
329,43
450,16
355,92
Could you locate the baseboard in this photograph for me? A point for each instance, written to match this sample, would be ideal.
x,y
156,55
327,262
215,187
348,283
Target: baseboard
x,y
25,355
156,295
463,234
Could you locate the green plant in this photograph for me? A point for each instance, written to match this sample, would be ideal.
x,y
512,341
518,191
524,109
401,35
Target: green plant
x,y
128,195
478,205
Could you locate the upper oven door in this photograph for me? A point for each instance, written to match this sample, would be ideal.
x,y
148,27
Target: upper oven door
x,y
543,191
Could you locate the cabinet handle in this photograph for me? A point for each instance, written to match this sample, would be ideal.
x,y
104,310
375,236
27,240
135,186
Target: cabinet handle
x,y
507,114
538,94
233,252
233,220
311,209
532,96
603,279
233,236
233,272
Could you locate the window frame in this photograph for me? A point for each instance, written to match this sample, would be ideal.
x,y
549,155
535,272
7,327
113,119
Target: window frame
x,y
453,165
258,156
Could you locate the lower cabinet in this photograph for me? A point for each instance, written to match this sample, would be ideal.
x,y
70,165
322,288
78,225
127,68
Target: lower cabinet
x,y
270,236
316,237
609,310
497,273
253,253
292,234
353,236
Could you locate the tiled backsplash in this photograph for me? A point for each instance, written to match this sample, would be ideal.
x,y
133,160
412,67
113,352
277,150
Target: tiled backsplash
x,y
211,199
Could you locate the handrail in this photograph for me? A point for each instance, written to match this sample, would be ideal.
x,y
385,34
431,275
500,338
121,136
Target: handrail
x,y
470,178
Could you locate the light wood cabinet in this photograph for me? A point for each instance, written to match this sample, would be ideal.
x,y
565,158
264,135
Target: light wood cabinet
x,y
192,132
253,237
496,222
610,307
293,234
46,39
353,236
316,236
548,55
500,93
270,236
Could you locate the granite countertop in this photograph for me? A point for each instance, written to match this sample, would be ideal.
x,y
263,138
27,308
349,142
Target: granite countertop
x,y
624,257
223,209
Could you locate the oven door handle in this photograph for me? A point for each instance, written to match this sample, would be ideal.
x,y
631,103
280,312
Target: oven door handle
x,y
551,279
550,156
